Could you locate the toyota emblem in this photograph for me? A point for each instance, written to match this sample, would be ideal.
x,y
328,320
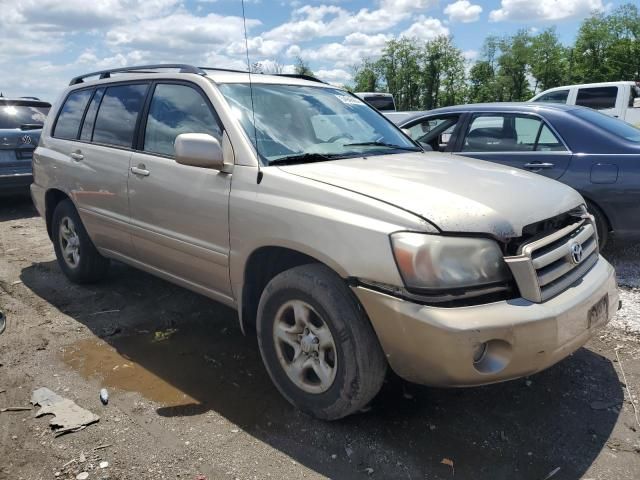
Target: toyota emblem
x,y
576,253
26,139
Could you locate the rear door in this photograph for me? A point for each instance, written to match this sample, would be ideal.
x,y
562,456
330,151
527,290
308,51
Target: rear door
x,y
179,213
98,126
517,140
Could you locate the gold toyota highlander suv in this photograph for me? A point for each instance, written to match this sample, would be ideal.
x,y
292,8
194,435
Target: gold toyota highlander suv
x,y
344,247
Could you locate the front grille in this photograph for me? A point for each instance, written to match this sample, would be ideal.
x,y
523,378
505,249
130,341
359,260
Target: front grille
x,y
546,267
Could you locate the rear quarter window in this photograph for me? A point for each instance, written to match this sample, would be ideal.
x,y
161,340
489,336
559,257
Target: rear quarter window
x,y
70,115
598,98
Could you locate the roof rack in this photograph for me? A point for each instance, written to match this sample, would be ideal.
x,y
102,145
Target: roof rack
x,y
139,69
31,98
300,76
184,68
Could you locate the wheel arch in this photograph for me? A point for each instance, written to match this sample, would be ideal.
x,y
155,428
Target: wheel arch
x,y
51,200
262,265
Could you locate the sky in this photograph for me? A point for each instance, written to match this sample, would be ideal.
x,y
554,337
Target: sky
x,y
44,43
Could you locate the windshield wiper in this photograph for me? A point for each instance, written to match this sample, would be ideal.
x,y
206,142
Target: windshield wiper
x,y
304,158
381,144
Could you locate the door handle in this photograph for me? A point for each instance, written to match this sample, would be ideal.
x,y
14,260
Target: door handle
x,y
537,165
77,155
140,170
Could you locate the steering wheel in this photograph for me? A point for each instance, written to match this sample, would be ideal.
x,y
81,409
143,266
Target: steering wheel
x,y
339,136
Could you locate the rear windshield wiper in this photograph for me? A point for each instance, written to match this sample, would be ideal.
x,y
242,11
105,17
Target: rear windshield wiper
x,y
381,144
304,158
31,126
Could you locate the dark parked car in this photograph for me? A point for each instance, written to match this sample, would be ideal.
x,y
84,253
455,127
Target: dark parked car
x,y
596,154
21,122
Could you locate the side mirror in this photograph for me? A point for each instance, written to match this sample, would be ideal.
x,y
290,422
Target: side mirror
x,y
426,147
199,150
636,102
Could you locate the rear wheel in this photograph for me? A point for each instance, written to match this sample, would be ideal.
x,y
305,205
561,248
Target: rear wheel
x,y
76,254
317,344
602,225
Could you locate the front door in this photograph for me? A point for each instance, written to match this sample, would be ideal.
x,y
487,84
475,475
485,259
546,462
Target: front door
x,y
179,213
516,140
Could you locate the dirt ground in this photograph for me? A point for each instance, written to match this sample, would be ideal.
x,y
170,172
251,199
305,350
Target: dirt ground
x,y
194,399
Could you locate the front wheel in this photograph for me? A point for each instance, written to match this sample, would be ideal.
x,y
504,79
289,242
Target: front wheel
x,y
317,343
76,254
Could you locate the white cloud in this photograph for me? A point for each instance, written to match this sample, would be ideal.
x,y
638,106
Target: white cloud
x,y
407,5
544,10
180,32
345,54
463,11
426,28
335,76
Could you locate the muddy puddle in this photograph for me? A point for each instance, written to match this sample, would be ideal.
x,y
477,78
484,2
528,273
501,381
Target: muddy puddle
x,y
186,372
96,358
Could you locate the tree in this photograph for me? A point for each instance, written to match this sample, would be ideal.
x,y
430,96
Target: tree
x,y
513,67
548,60
366,76
302,67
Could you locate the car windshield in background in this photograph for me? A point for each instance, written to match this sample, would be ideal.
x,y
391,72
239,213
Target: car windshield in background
x,y
381,103
610,124
303,123
16,114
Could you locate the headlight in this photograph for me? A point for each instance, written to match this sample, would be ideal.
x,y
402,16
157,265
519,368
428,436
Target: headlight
x,y
440,262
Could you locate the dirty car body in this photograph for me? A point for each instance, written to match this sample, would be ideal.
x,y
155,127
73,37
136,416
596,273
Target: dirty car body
x,y
454,272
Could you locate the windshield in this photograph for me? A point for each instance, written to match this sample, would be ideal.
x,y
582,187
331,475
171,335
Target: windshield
x,y
311,123
15,115
610,124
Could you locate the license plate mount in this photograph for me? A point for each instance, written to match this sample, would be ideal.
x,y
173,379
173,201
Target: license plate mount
x,y
599,312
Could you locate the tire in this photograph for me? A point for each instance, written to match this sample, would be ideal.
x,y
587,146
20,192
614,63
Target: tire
x,y
602,225
356,364
81,262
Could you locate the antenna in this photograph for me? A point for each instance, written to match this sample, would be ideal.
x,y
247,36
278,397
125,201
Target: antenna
x,y
253,110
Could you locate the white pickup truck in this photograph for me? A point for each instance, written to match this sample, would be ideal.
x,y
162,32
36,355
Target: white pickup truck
x,y
617,99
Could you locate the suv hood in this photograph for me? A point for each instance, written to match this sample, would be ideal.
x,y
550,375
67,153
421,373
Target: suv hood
x,y
456,194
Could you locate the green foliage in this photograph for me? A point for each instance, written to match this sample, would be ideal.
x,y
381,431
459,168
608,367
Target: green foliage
x,y
425,75
302,68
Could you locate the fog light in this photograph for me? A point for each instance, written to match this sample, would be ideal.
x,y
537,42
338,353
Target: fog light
x,y
479,351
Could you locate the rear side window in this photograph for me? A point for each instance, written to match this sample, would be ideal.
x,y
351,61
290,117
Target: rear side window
x,y
598,98
118,113
510,133
559,96
90,116
71,113
177,109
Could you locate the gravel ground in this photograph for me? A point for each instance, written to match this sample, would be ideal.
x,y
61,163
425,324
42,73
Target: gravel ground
x,y
189,397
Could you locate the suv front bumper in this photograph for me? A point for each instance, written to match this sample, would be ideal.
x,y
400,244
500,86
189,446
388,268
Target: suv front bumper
x,y
436,346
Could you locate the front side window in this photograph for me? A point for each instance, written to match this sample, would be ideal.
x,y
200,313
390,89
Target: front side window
x,y
598,98
292,122
434,131
70,115
116,120
510,133
177,109
559,96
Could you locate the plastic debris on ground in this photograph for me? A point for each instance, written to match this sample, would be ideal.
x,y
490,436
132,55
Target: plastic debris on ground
x,y
68,416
